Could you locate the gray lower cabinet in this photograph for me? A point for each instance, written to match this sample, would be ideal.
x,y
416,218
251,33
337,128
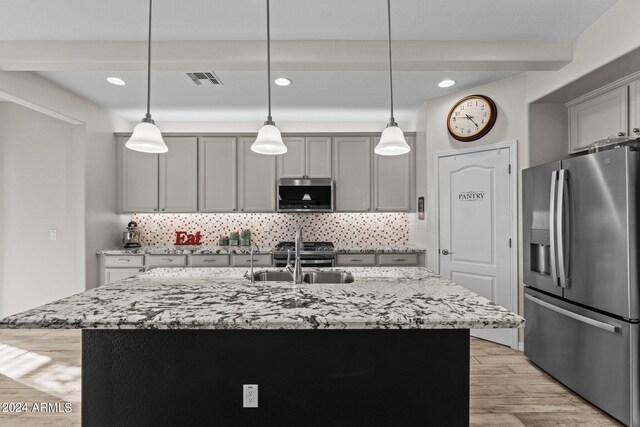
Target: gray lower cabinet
x,y
355,260
394,180
244,260
111,275
256,179
117,267
218,174
166,261
178,175
209,260
352,173
149,183
407,259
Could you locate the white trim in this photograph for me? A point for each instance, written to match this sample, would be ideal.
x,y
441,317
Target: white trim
x,y
513,161
606,88
521,346
6,96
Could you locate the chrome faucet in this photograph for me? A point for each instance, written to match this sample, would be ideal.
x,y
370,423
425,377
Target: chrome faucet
x,y
251,276
296,270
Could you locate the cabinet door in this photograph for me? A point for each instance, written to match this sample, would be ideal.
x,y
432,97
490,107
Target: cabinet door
x,y
292,163
256,180
114,274
352,163
598,118
179,175
218,174
349,260
394,180
318,159
138,180
634,105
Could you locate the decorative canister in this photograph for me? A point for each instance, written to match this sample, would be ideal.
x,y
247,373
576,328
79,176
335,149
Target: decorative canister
x,y
234,239
245,237
223,241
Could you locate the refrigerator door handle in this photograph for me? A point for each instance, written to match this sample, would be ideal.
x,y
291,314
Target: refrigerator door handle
x,y
560,227
552,226
580,318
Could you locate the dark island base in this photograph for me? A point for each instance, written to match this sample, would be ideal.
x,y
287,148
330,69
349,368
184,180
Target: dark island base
x,y
305,378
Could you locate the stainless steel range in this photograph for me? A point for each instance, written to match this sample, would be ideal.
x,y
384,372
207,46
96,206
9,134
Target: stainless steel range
x,y
313,254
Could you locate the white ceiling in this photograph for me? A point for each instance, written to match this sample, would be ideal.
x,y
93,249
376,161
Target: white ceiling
x,y
339,94
553,20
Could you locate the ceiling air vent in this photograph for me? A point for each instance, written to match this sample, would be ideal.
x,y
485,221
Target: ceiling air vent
x,y
200,77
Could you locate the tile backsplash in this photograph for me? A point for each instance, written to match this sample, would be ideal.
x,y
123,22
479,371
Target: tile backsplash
x,y
343,229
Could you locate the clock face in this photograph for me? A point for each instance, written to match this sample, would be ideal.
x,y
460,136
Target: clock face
x,y
471,118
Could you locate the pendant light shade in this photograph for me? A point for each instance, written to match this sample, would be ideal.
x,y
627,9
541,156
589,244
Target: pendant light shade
x,y
146,136
392,142
147,139
269,140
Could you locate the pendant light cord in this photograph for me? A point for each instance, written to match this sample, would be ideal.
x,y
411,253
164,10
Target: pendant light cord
x,y
149,65
269,119
390,67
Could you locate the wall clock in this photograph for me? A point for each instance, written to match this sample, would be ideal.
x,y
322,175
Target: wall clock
x,y
471,118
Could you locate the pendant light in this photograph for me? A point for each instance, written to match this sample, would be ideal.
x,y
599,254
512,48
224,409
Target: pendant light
x,y
392,142
146,136
269,140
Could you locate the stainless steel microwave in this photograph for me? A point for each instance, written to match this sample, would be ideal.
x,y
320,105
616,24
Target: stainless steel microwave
x,y
305,195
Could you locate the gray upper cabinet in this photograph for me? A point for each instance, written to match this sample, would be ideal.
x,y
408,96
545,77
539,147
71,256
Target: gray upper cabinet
x,y
597,118
137,180
306,157
318,157
178,188
292,163
634,104
352,168
394,180
218,174
256,179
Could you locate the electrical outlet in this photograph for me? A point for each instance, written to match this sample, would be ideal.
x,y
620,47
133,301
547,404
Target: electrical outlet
x,y
53,234
250,395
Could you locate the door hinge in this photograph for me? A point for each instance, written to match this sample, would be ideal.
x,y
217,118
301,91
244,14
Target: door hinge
x,y
509,242
509,169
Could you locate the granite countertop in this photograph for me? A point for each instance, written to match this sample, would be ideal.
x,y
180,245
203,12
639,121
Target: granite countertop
x,y
379,250
208,250
186,250
220,298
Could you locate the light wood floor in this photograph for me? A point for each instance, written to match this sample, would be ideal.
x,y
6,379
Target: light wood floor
x,y
506,390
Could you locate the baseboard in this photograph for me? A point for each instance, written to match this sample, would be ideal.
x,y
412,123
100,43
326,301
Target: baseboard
x,y
521,346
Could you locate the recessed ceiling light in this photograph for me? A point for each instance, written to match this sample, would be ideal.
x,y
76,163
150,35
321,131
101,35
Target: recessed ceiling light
x,y
447,83
116,81
282,81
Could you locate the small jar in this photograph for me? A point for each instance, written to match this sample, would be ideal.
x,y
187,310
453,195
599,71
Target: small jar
x,y
234,239
223,241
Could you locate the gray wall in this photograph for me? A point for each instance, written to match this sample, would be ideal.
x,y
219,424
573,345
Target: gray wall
x,y
38,194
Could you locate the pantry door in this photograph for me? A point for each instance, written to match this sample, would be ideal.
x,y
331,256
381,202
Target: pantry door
x,y
476,212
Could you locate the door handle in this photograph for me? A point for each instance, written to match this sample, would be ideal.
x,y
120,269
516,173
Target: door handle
x,y
580,318
562,186
552,226
445,252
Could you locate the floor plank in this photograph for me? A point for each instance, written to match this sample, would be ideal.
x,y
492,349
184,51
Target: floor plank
x,y
505,389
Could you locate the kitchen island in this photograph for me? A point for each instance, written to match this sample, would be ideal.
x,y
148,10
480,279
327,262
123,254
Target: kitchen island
x,y
175,346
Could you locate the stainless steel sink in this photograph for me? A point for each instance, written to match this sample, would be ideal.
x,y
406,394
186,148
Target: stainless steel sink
x,y
328,277
272,276
309,277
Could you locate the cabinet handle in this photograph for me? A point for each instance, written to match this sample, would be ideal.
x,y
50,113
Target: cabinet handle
x,y
164,209
636,130
141,270
124,260
155,210
356,260
209,260
620,133
166,260
400,259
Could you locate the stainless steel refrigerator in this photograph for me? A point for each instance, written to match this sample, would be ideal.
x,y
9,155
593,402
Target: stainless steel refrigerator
x,y
581,297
